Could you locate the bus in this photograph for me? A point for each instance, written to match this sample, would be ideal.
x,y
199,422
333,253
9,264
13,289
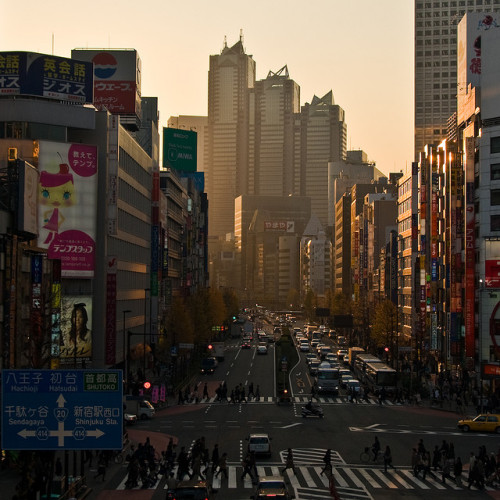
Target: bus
x,y
378,375
361,362
327,379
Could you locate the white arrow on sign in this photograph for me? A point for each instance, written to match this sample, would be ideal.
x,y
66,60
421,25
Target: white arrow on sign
x,y
97,433
60,401
25,433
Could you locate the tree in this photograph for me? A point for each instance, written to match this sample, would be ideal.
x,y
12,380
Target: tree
x,y
384,324
340,304
231,302
310,302
179,324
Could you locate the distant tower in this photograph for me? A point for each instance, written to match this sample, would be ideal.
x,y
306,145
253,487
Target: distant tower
x,y
230,80
436,85
323,139
277,101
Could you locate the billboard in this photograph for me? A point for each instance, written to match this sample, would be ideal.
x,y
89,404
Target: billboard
x,y
179,149
117,79
29,73
76,322
281,226
67,205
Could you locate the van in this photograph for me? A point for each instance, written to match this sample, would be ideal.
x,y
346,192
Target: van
x,y
208,365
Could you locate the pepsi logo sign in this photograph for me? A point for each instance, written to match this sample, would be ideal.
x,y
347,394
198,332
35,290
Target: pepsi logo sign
x,y
105,65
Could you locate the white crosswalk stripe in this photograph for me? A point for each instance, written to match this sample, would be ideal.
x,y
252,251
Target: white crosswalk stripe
x,y
351,482
327,400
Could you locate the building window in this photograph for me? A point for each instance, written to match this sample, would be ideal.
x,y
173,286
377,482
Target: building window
x,y
495,171
495,197
495,145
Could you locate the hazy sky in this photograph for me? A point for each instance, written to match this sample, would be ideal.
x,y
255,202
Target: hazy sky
x,y
360,49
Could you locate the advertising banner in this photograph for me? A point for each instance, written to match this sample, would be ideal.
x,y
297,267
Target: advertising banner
x,y
76,323
179,149
117,79
67,205
28,73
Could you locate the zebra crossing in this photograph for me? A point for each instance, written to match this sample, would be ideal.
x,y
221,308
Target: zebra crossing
x,y
352,482
328,400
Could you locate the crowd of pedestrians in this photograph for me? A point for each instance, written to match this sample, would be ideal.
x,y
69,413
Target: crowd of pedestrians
x,y
239,394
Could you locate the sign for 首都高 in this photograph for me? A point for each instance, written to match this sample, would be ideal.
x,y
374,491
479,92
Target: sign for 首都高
x,y
62,409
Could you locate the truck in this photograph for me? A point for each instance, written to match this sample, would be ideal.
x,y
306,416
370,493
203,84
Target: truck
x,y
218,350
353,352
236,330
139,406
327,379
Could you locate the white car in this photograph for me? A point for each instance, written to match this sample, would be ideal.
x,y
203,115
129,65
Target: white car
x,y
304,346
260,444
262,348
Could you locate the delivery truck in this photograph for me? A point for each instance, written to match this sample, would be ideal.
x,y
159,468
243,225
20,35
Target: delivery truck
x,y
139,406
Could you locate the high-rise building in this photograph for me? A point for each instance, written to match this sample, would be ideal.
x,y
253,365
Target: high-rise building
x,y
436,83
231,79
323,139
277,100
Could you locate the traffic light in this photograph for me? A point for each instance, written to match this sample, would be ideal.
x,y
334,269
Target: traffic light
x,y
386,349
147,385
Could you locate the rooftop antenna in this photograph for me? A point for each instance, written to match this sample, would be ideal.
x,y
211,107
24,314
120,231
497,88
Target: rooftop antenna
x,y
225,41
241,36
52,43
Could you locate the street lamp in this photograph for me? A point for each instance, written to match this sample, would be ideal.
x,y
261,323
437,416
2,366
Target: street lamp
x,y
146,290
126,349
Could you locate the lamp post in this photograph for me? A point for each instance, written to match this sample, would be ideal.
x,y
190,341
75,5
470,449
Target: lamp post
x,y
126,350
146,290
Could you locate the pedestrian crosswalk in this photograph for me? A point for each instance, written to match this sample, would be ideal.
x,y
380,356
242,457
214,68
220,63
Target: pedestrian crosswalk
x,y
308,482
303,399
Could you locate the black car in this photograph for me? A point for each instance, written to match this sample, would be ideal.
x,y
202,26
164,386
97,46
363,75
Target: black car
x,y
208,365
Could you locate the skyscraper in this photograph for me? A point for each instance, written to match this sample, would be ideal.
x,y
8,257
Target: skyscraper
x,y
436,85
231,79
323,139
277,100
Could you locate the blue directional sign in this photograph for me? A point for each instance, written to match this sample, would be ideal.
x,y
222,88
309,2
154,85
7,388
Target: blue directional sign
x,y
62,409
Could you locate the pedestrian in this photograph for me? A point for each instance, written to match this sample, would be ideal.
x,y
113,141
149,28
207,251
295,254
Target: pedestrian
x,y
426,464
327,459
457,471
250,390
354,395
376,448
215,458
388,458
101,468
253,464
205,391
257,393
196,465
183,465
222,465
313,392
171,483
472,469
445,473
246,467
289,461
436,458
414,461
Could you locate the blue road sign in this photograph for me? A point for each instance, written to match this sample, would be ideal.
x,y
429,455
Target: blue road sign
x,y
62,409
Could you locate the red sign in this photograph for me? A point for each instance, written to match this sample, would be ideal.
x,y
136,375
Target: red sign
x,y
492,273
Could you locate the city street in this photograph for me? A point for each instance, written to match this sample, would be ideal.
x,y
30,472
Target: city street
x,y
347,429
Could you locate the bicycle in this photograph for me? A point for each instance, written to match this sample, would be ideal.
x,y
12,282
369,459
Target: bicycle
x,y
366,456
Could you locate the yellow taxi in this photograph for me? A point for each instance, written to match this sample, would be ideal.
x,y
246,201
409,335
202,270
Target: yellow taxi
x,y
486,422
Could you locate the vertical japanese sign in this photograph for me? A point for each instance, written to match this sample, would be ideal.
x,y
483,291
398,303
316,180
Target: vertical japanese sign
x,y
36,309
111,269
470,244
55,306
67,205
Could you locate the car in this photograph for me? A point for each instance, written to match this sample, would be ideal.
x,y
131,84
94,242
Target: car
x,y
313,366
271,487
323,351
346,372
262,348
260,444
310,356
246,344
314,343
129,418
485,422
304,346
270,338
344,378
192,490
341,353
208,365
330,357
353,384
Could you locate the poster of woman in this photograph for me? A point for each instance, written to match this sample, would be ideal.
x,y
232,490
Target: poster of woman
x,y
76,327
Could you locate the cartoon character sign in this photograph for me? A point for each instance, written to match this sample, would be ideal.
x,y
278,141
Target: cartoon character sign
x,y
67,200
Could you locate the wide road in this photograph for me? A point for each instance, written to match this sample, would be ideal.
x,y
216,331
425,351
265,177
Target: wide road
x,y
346,428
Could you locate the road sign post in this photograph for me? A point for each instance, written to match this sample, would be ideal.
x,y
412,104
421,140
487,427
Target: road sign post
x,y
62,409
